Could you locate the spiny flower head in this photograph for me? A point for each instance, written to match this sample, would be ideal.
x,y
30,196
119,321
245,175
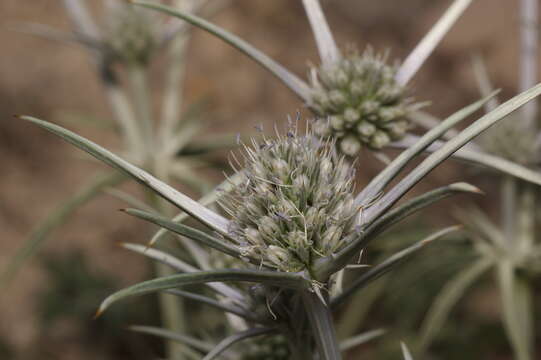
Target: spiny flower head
x,y
130,34
359,102
295,202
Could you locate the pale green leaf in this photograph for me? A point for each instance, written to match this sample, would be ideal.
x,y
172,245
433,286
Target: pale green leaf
x,y
235,338
478,157
208,199
426,46
233,309
182,266
286,280
451,146
199,212
187,231
517,310
405,351
447,298
416,204
360,339
389,264
328,51
379,183
170,335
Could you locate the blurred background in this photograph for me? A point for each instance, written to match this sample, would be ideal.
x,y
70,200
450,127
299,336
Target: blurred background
x,y
47,311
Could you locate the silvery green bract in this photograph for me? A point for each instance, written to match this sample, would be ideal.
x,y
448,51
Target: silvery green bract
x,y
311,328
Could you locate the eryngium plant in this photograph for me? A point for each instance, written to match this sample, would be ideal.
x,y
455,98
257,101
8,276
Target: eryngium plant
x,y
360,102
302,311
294,202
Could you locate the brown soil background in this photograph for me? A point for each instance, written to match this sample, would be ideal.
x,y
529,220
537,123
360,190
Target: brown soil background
x,y
42,78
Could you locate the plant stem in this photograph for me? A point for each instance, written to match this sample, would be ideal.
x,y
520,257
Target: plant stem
x,y
322,326
143,107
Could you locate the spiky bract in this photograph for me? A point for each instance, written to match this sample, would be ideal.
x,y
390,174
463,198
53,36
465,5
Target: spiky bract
x,y
359,102
295,203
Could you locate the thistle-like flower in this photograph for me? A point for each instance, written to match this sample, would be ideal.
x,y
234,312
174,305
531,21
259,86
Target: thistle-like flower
x,y
359,102
295,202
130,34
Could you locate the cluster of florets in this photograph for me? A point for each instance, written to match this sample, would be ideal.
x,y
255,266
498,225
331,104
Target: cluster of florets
x,y
295,202
359,102
130,34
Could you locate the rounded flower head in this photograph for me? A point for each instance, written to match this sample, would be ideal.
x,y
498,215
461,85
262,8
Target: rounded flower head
x,y
359,102
295,202
130,34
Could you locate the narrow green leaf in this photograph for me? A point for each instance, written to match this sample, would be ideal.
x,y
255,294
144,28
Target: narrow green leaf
x,y
187,231
199,212
479,223
359,239
482,78
129,199
322,326
180,265
208,199
170,335
298,86
55,219
394,260
422,51
416,204
436,158
287,280
478,157
381,181
233,309
447,298
405,351
360,339
50,33
516,301
328,51
235,338
81,18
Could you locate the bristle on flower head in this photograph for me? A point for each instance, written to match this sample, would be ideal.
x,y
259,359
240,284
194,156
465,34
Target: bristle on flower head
x,y
296,201
130,34
359,102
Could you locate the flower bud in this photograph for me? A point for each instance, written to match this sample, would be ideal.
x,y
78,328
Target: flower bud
x,y
364,99
350,145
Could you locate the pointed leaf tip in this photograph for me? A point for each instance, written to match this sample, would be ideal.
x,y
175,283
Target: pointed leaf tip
x,y
465,187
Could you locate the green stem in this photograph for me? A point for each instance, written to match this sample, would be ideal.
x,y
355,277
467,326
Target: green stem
x,y
321,323
143,107
172,308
